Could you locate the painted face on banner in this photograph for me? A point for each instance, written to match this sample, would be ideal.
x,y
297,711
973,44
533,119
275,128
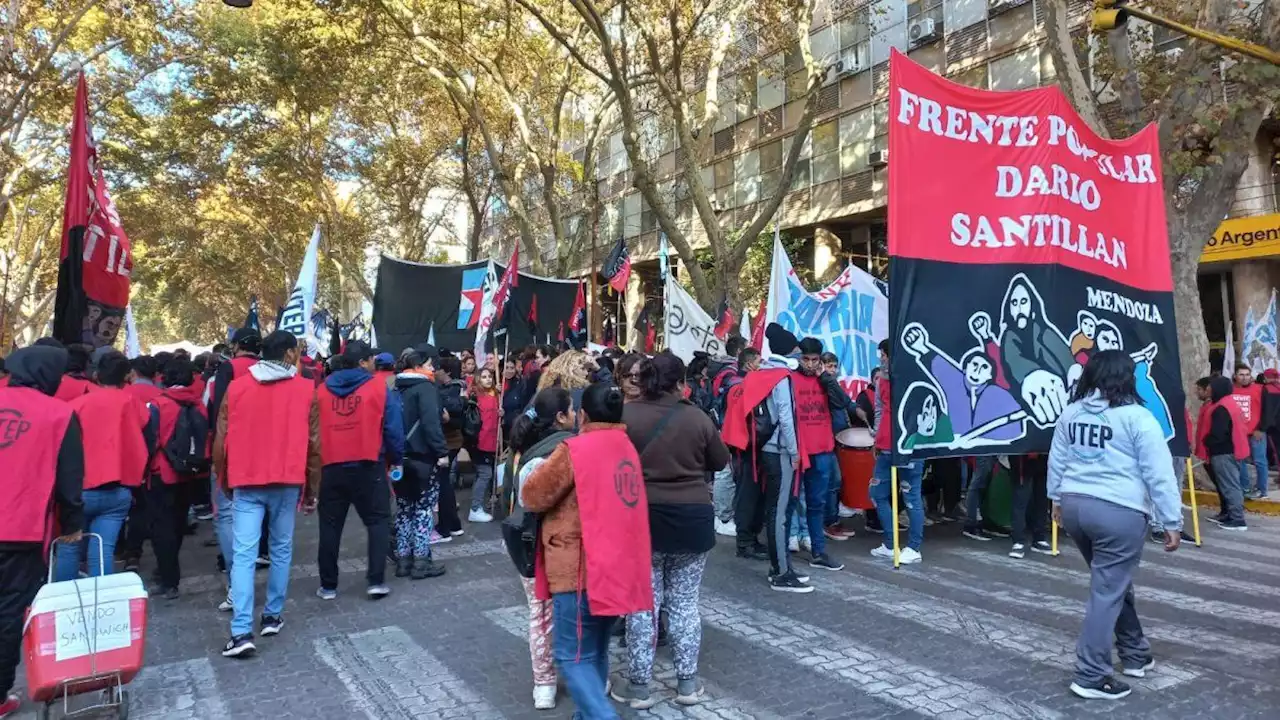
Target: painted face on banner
x,y
1109,338
978,370
927,420
1020,306
1088,326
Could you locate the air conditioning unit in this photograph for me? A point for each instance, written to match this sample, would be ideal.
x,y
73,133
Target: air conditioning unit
x,y
849,64
878,158
924,30
995,6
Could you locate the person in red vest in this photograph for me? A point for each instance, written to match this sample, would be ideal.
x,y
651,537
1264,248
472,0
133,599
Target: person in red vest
x,y
1203,417
143,385
41,476
814,429
246,344
361,432
75,381
266,455
118,439
484,453
594,547
384,369
1248,397
910,477
182,454
1226,443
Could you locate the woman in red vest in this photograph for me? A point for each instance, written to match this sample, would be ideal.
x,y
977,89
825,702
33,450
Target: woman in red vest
x,y
1224,439
170,492
118,438
485,392
593,552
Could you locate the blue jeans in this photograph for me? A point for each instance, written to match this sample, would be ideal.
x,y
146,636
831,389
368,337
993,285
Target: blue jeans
x,y
909,478
978,481
105,511
279,505
583,664
222,522
817,484
1258,451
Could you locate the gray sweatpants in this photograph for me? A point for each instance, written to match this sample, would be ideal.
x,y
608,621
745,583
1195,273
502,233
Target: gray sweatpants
x,y
723,492
1110,538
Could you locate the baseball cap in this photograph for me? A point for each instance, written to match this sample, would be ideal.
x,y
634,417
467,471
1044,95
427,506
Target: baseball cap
x,y
247,339
384,358
357,351
427,351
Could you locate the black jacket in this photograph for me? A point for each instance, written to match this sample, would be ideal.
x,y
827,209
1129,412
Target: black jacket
x,y
1219,441
452,401
221,379
41,368
424,435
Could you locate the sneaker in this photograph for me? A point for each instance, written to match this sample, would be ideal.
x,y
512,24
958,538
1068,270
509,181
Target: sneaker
x,y
789,582
204,515
996,531
131,564
634,695
239,646
271,625
377,592
424,568
1018,551
226,605
793,545
882,551
1186,536
1218,519
848,512
478,515
977,534
1108,688
544,697
1157,537
325,593
876,528
263,562
806,544
1141,670
753,553
458,533
689,691
908,556
1234,526
728,529
837,533
169,593
1042,546
10,705
437,538
825,562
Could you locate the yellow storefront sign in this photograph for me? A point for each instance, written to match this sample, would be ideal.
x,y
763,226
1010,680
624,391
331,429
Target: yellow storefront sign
x,y
1244,238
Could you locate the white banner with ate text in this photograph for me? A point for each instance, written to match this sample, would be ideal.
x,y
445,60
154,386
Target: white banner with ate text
x,y
850,316
688,327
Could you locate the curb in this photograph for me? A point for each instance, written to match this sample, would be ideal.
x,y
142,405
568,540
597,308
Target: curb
x,y
1205,498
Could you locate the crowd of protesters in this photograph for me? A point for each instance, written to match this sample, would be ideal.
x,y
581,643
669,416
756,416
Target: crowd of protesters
x,y
612,472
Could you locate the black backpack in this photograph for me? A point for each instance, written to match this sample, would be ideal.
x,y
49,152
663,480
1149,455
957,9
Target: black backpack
x,y
187,449
763,423
471,420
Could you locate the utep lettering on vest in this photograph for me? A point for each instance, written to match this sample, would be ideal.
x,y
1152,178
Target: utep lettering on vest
x,y
32,426
1090,435
351,425
12,427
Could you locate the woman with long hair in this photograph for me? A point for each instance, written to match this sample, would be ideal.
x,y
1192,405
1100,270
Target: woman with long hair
x,y
628,374
534,435
1109,455
678,446
485,392
593,544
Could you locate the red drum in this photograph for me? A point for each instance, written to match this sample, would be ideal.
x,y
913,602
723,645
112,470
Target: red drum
x,y
857,463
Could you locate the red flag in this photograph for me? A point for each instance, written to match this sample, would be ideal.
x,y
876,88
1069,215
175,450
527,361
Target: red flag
x,y
578,317
560,337
533,316
647,328
617,266
510,279
758,325
724,320
95,260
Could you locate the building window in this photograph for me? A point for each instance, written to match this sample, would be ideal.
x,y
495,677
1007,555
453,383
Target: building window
x,y
975,77
1164,40
1017,71
855,41
631,217
747,182
769,84
880,116
826,152
857,136
724,183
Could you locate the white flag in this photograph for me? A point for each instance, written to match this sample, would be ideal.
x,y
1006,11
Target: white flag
x,y
488,313
1229,355
431,334
744,327
132,348
297,311
688,327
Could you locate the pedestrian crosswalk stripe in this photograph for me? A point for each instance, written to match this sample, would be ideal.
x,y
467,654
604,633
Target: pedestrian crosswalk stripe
x,y
1245,544
184,690
388,675
1198,558
886,677
302,571
1037,643
717,703
1178,600
1209,582
1189,636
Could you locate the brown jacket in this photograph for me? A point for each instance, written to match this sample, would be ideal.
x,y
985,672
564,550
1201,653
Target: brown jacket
x,y
312,489
677,463
549,490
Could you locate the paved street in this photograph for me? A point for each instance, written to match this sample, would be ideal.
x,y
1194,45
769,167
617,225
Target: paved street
x,y
968,634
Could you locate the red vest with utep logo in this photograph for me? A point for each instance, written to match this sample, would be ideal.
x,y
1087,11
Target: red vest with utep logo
x,y
268,429
71,388
241,364
1239,435
614,510
115,450
351,426
32,426
813,415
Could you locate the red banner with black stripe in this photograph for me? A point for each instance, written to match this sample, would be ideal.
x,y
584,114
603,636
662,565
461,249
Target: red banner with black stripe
x,y
1020,243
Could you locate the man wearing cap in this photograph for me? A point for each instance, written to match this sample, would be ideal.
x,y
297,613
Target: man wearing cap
x,y
425,450
361,431
384,368
266,456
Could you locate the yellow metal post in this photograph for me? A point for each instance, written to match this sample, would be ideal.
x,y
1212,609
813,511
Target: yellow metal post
x,y
893,486
1195,507
1053,536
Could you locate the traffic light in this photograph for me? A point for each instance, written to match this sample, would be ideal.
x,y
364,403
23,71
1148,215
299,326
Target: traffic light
x,y
1109,14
